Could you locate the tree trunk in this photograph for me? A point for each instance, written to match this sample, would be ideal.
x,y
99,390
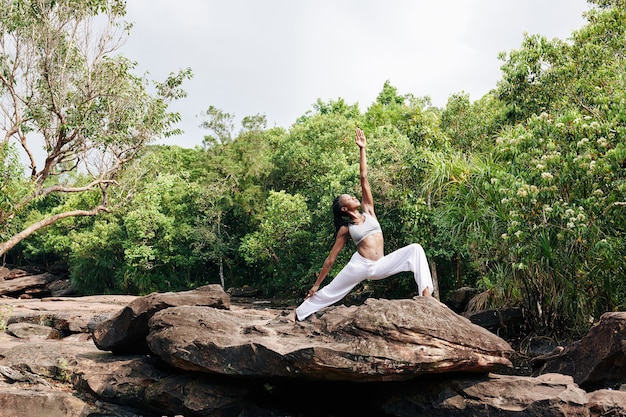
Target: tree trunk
x,y
433,273
459,282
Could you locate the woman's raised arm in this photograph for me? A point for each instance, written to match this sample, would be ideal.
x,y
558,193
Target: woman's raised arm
x,y
367,201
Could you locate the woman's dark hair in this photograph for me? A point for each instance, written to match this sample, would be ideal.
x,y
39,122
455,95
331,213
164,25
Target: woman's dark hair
x,y
338,215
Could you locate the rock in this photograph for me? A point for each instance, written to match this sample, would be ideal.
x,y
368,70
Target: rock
x,y
497,319
375,339
607,403
61,288
28,282
68,315
592,364
25,400
126,332
459,298
73,364
193,394
124,384
9,274
121,380
22,401
28,330
490,396
244,291
381,340
7,341
4,272
132,382
15,375
35,283
56,360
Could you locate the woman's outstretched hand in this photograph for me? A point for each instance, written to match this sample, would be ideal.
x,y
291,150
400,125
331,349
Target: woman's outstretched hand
x,y
360,138
310,294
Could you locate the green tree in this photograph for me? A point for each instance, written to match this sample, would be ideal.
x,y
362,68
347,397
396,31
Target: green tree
x,y
14,188
541,218
337,107
220,124
151,238
472,126
556,76
255,123
63,90
234,192
413,116
284,226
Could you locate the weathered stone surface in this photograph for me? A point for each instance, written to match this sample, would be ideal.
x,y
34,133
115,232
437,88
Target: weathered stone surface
x,y
381,340
66,314
193,394
375,342
594,365
54,359
16,375
12,286
126,332
126,383
7,341
21,401
120,379
26,400
9,274
491,396
607,403
140,385
4,272
61,288
28,330
76,364
136,382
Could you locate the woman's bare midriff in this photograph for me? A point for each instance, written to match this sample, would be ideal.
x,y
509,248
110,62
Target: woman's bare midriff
x,y
372,247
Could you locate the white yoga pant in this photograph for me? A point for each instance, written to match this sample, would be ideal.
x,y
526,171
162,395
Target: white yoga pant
x,y
409,258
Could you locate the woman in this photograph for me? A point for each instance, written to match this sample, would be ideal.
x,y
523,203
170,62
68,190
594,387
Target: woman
x,y
369,260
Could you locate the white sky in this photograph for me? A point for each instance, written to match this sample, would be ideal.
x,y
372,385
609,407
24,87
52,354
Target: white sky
x,y
277,57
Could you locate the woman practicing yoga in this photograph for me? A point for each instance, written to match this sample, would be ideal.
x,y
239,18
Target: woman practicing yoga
x,y
369,261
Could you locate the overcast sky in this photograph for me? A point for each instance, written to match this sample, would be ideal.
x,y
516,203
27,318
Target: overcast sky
x,y
277,57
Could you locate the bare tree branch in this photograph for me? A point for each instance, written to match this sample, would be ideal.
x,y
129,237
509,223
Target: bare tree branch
x,y
65,189
15,239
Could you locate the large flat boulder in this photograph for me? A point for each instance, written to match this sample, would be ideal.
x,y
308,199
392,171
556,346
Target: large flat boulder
x,y
126,331
381,340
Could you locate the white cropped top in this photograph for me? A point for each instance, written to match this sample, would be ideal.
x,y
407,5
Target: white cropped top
x,y
358,232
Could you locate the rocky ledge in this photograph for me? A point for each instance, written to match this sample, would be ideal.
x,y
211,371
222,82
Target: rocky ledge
x,y
192,353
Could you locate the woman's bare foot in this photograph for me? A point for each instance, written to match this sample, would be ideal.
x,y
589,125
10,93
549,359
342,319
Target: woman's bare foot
x,y
293,317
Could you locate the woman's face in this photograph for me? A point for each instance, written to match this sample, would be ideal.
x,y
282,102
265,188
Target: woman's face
x,y
349,202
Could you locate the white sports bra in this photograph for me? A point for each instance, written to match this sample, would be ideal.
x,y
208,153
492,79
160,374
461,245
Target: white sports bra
x,y
358,232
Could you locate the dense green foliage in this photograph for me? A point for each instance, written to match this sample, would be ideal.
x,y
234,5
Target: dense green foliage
x,y
521,193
